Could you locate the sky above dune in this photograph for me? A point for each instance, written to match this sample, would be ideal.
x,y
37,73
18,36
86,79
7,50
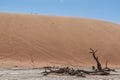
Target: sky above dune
x,y
108,10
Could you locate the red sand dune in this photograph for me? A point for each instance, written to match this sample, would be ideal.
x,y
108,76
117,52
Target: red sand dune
x,y
38,40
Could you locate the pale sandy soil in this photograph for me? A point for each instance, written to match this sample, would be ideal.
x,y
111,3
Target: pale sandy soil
x,y
35,74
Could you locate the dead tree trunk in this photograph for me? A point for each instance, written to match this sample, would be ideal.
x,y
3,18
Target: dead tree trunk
x,y
99,67
106,64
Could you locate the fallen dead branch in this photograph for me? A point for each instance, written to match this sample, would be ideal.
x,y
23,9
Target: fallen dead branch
x,y
78,72
64,71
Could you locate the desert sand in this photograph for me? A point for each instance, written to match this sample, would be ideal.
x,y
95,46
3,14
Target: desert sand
x,y
35,74
31,40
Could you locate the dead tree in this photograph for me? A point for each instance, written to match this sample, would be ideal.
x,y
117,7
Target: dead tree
x,y
99,67
106,64
64,71
107,68
78,72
